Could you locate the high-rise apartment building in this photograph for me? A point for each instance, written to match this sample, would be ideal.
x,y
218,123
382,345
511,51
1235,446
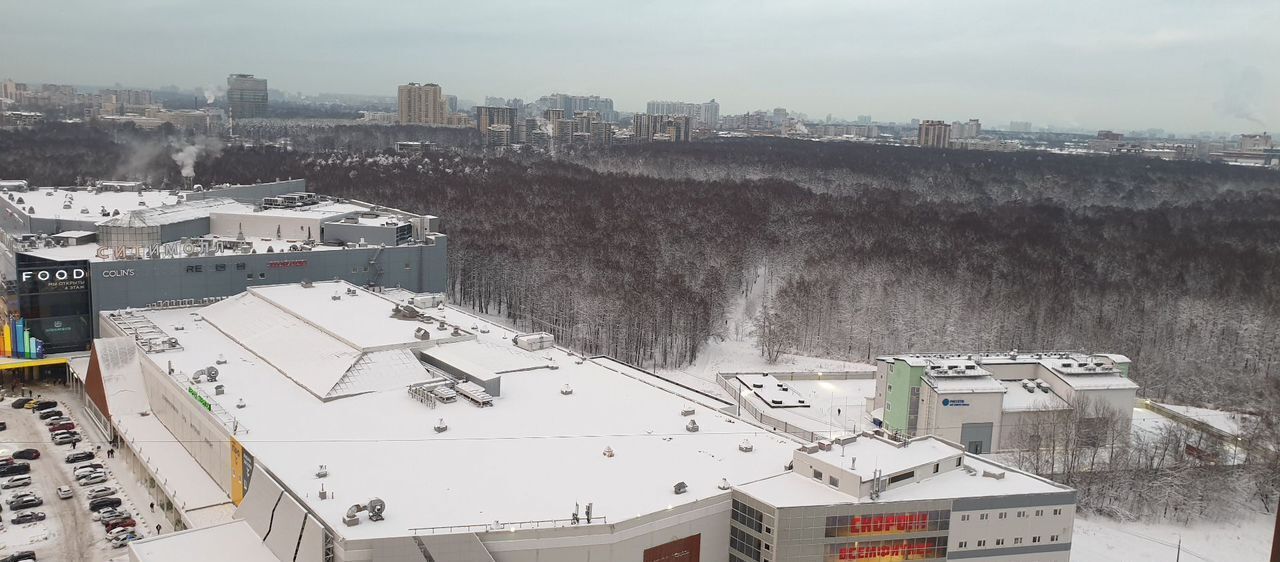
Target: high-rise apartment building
x,y
969,130
704,115
487,115
933,133
246,96
1020,126
423,103
498,136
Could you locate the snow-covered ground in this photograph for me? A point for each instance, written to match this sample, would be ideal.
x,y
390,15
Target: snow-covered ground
x,y
1247,539
1230,422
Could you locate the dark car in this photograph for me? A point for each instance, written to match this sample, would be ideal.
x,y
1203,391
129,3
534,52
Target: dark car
x,y
64,426
126,522
46,405
25,502
21,403
28,517
79,456
19,556
27,454
103,503
46,414
15,469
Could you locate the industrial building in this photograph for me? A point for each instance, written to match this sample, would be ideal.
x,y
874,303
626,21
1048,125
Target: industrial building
x,y
323,421
79,250
998,401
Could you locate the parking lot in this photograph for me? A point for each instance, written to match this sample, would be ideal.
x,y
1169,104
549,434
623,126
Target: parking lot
x,y
68,531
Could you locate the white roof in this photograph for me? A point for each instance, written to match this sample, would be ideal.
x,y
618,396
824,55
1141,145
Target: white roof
x,y
1016,398
875,454
49,202
235,540
362,321
964,385
961,484
530,456
171,213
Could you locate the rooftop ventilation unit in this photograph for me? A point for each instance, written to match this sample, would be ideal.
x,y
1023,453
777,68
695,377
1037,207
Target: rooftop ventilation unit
x,y
687,411
422,333
724,484
240,403
322,472
441,427
566,390
219,390
746,446
681,488
211,373
608,451
221,360
692,426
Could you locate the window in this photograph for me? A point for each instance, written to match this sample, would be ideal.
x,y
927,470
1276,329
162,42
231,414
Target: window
x,y
747,516
817,474
982,517
982,543
1057,511
1022,514
959,460
832,480
963,544
900,477
743,542
767,547
964,517
249,276
262,275
999,542
220,267
407,266
768,531
935,468
888,406
240,266
1039,512
1017,540
1035,539
1053,538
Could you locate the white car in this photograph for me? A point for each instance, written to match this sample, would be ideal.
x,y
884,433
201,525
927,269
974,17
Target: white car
x,y
16,482
93,478
100,492
65,492
118,531
87,470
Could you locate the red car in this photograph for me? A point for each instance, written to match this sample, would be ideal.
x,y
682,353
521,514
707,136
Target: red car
x,y
64,426
128,522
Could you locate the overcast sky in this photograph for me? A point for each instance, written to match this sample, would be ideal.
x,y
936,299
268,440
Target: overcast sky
x,y
1181,65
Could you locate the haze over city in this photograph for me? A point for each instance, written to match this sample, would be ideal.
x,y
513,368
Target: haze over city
x,y
1180,66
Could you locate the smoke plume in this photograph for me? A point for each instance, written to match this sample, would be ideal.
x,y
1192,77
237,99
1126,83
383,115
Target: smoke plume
x,y
1240,95
186,156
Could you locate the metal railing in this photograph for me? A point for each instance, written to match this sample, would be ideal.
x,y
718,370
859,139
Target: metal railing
x,y
509,526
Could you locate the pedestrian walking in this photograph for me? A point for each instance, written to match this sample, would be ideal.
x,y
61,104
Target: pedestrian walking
x,y
157,528
153,507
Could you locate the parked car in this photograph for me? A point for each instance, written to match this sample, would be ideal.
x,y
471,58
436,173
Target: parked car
x,y
22,494
16,482
21,556
21,403
27,517
63,426
27,454
124,540
66,438
52,413
100,492
121,531
127,522
79,456
31,404
45,405
103,503
87,465
85,471
64,492
25,502
15,469
108,514
55,421
94,478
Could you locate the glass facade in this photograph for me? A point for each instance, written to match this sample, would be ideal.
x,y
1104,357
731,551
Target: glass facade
x,y
888,550
53,298
888,523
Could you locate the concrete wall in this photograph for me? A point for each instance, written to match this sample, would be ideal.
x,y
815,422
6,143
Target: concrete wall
x,y
1009,518
947,421
352,233
258,225
252,193
198,431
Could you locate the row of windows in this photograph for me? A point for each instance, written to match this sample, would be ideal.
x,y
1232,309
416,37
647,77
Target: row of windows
x,y
241,267
748,516
1000,542
1004,514
743,542
897,549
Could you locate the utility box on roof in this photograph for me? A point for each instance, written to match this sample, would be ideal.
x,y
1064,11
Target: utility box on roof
x,y
535,341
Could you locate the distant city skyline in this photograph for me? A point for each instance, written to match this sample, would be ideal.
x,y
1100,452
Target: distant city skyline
x,y
1180,66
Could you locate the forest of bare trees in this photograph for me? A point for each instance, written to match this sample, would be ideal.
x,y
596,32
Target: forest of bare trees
x,y
638,252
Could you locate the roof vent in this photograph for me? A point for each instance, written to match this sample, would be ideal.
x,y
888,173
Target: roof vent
x,y
746,446
691,427
322,472
211,373
219,390
724,484
687,410
336,296
566,390
422,333
240,403
994,474
441,427
307,284
608,451
221,360
681,488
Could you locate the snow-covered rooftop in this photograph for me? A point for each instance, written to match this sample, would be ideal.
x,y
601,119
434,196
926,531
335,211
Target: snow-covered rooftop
x,y
235,540
173,213
84,204
1016,398
530,456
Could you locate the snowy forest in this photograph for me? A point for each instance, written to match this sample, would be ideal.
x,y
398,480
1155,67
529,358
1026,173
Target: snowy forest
x,y
639,252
